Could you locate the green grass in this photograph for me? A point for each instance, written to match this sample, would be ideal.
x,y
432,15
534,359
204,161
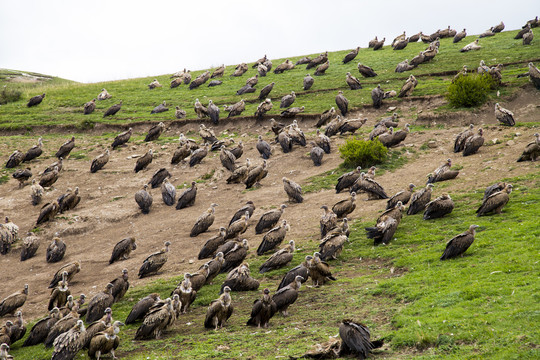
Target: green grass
x,y
64,102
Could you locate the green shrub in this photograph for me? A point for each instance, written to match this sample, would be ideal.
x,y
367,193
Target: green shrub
x,y
363,153
8,95
470,90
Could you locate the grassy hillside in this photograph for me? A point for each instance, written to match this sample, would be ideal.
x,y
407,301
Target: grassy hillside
x,y
64,102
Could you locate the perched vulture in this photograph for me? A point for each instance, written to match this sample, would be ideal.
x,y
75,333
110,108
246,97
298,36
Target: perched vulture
x,y
186,293
316,154
351,55
179,113
345,207
321,69
14,301
214,267
204,221
459,243
122,249
292,112
252,81
532,150
397,137
236,109
377,96
399,38
219,311
460,36
472,46
30,245
35,100
404,196
528,37
331,246
156,321
486,33
273,238
318,60
104,95
534,75
319,271
238,151
218,72
207,135
68,344
200,110
120,286
227,159
256,174
99,304
326,116
462,137
262,70
333,126
18,330
439,207
353,82
66,148
328,220
386,225
264,148
34,152
342,103
374,190
263,108
355,339
293,190
69,200
260,61
378,44
39,331
153,263
177,82
308,82
366,71
265,91
235,256
49,178
246,89
523,31
122,138
141,308
105,341
158,177
495,202
287,295
408,88
144,161
278,259
168,192
211,245
404,66
269,219
347,180
239,279
159,109
99,162
418,59
238,227
144,199
47,212
287,100
154,84
239,174
181,153
62,325
492,189
372,42
351,125
400,44
304,60
199,80
56,250
300,270
198,155
262,311
113,109
323,142
154,132
443,173
22,175
473,143
240,69
213,112
506,117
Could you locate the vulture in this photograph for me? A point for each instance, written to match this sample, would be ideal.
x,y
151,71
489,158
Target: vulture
x,y
200,109
443,173
187,198
396,137
65,149
154,84
154,132
328,220
239,279
486,33
47,212
492,189
158,177
401,44
198,155
532,150
460,36
55,250
459,243
265,91
71,269
495,202
120,286
331,246
404,196
30,245
269,219
418,59
213,112
523,31
239,174
439,207
321,69
214,267
415,37
39,331
353,82
14,301
156,321
22,175
186,293
227,159
293,190
472,46
68,344
263,148
304,60
199,80
323,142
372,42
260,61
68,200
342,103
49,178
99,162
207,135
99,303
430,53
240,69
345,207
179,113
219,311
292,112
287,100
355,339
18,330
319,270
236,109
333,127
326,116
211,245
279,259
177,82
462,137
263,108
235,256
182,152
34,152
287,295
141,308
197,279
113,109
404,66
351,55
534,75
506,117
300,270
252,81
122,138
351,125
168,192
398,38
262,70
218,72
316,154
159,109
386,225
144,161
153,263
379,44
105,341
144,199
366,71
374,190
308,82
347,180
377,96
318,60
273,238
35,100
408,88
262,311
238,227
204,221
104,95
238,151
62,325
123,249
528,37
473,143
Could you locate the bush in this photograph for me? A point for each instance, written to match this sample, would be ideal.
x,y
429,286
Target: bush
x,y
363,153
470,90
8,95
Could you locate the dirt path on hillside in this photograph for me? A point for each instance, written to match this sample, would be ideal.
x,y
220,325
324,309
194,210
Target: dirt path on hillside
x,y
107,212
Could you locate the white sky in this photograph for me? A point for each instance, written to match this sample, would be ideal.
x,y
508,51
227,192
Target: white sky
x,y
91,41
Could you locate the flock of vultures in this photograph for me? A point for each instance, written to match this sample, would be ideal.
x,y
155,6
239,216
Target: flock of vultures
x,y
64,329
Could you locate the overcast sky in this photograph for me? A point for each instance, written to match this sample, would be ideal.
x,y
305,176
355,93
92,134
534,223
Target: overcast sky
x,y
91,41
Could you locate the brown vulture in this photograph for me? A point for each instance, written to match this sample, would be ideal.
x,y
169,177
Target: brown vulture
x,y
186,293
300,270
308,82
71,269
351,55
154,132
218,72
154,84
68,344
227,159
316,154
34,152
374,190
473,143
273,238
154,262
55,250
506,117
263,108
113,109
47,212
408,88
331,246
377,96
141,308
462,137
14,301
213,112
35,100
386,225
443,173
328,220
293,190
104,95
156,321
39,331
459,243
532,150
378,44
240,69
29,246
199,80
122,138
318,60
345,207
204,221
211,245
249,207
144,199
372,42
97,326
100,161
49,178
105,341
59,295
284,66
495,202
269,219
179,113
168,192
404,196
158,177
22,175
262,311
534,75
319,271
256,174
69,200
219,311
144,161
200,109
366,71
471,46
278,259
198,155
234,256
239,279
287,295
123,249
351,125
352,82
321,69
120,285
182,152
239,174
326,116
439,207
347,180
18,330
342,103
236,109
214,267
265,91
355,339
99,303
460,36
238,227
187,198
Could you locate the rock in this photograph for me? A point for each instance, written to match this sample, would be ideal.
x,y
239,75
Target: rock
x,y
518,134
392,108
494,141
432,144
510,143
